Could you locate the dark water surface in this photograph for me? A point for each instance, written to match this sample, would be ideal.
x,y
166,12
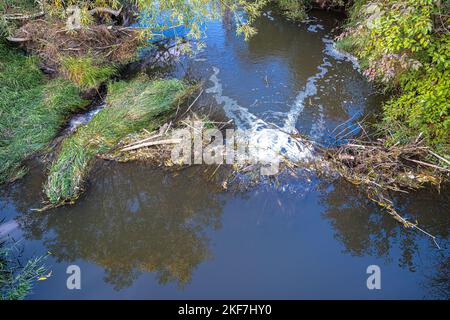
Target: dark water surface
x,y
142,233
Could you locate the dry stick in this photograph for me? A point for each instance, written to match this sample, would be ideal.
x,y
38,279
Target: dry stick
x,y
223,123
348,133
419,136
193,102
362,128
24,17
143,140
428,164
348,120
312,142
212,175
355,145
188,125
153,136
412,225
13,39
152,143
348,128
439,157
399,218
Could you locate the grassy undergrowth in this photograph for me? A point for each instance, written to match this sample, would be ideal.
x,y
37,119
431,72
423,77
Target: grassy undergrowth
x,y
17,280
131,106
83,71
32,110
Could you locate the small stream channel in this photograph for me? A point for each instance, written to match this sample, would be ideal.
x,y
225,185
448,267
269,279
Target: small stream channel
x,y
144,233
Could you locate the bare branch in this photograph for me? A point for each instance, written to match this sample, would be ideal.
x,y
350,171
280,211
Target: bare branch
x,y
13,39
106,10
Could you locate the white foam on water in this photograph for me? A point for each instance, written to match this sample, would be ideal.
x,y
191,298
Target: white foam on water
x,y
315,27
82,119
332,51
242,118
311,89
266,142
318,127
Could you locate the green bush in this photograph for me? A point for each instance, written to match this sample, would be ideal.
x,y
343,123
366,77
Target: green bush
x,y
404,46
293,9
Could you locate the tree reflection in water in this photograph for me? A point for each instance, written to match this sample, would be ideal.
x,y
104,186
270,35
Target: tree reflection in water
x,y
135,220
363,229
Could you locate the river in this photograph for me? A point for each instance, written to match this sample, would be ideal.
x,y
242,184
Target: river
x,y
142,233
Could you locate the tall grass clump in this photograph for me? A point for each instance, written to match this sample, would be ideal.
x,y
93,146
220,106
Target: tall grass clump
x,y
17,280
85,73
32,110
131,106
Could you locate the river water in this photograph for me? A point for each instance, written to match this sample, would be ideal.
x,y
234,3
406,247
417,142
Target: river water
x,y
139,232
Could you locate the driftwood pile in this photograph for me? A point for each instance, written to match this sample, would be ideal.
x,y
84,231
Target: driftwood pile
x,y
51,40
381,169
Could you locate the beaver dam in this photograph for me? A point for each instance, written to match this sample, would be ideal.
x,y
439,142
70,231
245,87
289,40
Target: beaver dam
x,y
244,169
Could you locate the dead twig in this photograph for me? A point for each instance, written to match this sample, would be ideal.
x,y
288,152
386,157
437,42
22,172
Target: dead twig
x,y
152,143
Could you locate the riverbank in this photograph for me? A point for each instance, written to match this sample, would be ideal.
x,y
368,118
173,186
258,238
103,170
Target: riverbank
x,y
130,107
136,218
33,109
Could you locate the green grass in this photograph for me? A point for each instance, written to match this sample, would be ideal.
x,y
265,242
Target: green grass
x,y
131,106
16,280
84,73
32,110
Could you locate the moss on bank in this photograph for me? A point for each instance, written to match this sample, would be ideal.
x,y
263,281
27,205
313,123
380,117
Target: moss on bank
x,y
32,110
131,106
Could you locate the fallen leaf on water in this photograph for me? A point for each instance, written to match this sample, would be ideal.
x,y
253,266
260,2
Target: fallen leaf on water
x,y
42,278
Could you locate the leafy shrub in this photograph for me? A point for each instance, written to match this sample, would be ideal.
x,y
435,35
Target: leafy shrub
x,y
293,9
405,45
